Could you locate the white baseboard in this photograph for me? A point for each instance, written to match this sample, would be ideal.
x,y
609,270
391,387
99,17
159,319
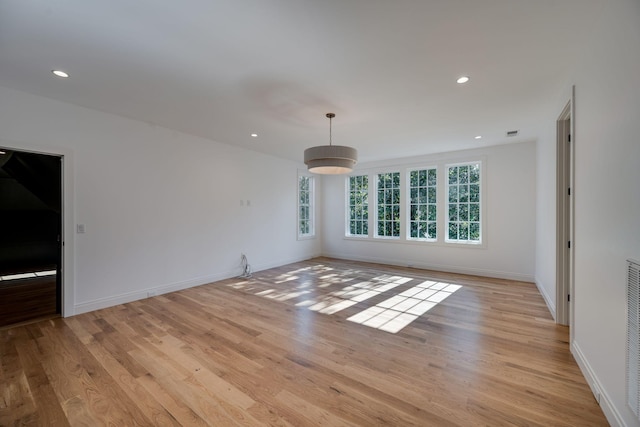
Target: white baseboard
x,y
437,267
599,393
100,303
266,266
145,293
547,299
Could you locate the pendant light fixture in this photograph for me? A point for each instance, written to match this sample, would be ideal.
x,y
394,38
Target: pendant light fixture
x,y
330,159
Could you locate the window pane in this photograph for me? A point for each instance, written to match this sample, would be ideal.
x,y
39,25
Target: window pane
x,y
432,177
453,175
474,193
414,178
431,195
463,175
474,212
453,194
422,213
474,231
474,173
423,195
431,230
432,213
463,193
453,231
453,212
423,178
463,212
414,228
463,231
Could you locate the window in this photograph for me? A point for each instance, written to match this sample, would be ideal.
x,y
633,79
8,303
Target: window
x,y
306,226
463,203
358,221
422,204
388,204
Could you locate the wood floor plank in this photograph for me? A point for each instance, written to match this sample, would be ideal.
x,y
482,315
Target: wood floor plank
x,y
150,407
290,346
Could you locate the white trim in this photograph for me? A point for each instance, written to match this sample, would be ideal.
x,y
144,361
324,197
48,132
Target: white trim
x,y
497,274
124,298
564,155
547,298
600,394
145,293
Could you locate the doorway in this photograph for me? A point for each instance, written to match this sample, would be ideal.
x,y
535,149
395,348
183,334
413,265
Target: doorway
x,y
564,215
31,243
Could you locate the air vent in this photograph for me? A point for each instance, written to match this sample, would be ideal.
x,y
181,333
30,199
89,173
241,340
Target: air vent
x,y
633,336
512,132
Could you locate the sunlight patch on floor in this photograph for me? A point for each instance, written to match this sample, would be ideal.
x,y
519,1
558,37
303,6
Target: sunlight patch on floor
x,y
395,313
390,315
351,295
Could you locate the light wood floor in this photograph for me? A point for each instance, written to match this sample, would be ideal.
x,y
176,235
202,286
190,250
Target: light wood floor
x,y
260,352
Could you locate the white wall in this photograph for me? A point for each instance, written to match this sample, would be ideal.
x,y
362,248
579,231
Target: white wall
x,y
607,198
545,275
161,209
509,202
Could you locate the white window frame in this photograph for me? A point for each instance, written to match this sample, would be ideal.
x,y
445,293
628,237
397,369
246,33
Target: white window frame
x,y
447,204
376,208
436,204
347,225
311,207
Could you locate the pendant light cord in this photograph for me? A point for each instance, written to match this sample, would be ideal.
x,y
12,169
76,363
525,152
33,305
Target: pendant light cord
x,y
330,116
329,130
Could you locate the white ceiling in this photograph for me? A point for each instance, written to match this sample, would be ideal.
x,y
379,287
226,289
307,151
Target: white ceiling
x,y
226,68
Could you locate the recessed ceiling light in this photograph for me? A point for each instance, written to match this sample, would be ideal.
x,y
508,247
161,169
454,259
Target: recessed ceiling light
x,y
254,135
462,79
478,137
60,73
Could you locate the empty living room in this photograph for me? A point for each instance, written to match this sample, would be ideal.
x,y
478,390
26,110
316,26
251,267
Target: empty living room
x,y
339,213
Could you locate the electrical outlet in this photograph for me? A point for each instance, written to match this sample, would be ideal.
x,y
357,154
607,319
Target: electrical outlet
x,y
80,228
